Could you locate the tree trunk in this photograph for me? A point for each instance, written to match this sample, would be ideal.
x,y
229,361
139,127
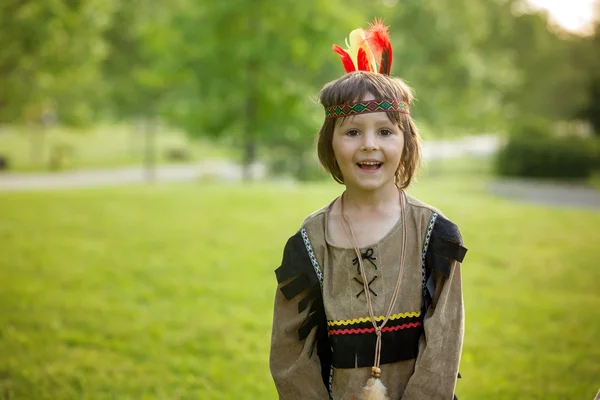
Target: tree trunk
x,y
150,149
38,139
249,131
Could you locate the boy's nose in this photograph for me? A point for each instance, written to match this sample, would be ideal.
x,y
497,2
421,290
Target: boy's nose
x,y
369,142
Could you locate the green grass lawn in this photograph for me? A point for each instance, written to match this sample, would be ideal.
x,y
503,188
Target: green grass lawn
x,y
165,292
102,146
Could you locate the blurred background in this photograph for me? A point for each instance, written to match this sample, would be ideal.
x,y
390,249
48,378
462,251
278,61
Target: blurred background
x,y
156,156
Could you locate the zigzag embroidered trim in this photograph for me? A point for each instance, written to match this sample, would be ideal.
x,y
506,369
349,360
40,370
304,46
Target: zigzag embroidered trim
x,y
311,255
330,388
424,253
380,318
372,330
364,107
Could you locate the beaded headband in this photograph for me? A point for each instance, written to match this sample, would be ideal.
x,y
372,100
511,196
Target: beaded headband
x,y
365,107
366,50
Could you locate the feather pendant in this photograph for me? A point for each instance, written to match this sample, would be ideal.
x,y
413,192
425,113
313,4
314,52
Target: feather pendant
x,y
374,390
345,57
363,61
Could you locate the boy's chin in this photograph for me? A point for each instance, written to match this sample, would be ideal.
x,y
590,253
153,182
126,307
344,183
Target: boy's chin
x,y
369,185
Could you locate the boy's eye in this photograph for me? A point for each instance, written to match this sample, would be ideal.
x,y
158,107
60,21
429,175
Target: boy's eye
x,y
385,132
352,132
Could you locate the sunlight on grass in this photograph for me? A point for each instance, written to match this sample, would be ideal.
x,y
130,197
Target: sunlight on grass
x,y
165,292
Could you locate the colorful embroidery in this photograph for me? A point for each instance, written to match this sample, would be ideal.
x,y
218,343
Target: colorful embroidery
x,y
313,258
424,253
319,273
353,341
330,388
372,330
364,107
378,319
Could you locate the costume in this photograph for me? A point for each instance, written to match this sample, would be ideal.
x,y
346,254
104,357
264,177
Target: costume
x,y
322,340
389,312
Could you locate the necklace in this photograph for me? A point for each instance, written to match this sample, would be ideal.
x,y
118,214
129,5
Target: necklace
x,y
374,385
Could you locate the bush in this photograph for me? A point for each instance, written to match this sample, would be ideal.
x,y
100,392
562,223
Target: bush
x,y
177,154
3,162
539,156
301,166
532,128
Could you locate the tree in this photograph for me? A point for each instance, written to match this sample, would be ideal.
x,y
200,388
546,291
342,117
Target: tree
x,y
592,111
253,66
142,70
50,57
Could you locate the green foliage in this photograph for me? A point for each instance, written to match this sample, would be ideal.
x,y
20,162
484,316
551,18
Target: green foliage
x,y
254,70
108,298
539,156
50,56
532,128
548,64
447,51
250,70
142,68
592,111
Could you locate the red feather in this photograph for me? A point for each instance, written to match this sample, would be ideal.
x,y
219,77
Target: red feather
x,y
363,61
345,57
385,66
379,42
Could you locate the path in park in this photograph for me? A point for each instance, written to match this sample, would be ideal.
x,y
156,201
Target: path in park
x,y
546,193
211,169
224,170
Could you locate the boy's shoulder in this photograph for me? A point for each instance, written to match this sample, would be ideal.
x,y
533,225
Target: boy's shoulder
x,y
316,217
422,207
441,226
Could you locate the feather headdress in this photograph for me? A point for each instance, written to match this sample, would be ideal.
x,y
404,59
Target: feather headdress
x,y
367,49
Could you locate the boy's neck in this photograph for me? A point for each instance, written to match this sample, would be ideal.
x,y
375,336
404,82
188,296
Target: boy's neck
x,y
369,201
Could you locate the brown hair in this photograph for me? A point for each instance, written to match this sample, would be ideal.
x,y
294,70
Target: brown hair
x,y
354,87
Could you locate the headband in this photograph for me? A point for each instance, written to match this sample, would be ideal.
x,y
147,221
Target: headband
x,y
365,107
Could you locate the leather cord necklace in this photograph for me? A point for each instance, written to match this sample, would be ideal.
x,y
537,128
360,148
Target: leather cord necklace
x,y
375,370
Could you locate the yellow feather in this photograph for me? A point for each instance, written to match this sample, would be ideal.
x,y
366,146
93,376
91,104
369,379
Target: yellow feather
x,y
354,42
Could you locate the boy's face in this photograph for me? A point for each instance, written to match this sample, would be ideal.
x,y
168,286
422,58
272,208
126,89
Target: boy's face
x,y
368,148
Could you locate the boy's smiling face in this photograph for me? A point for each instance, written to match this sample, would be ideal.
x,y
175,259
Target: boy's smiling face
x,y
368,149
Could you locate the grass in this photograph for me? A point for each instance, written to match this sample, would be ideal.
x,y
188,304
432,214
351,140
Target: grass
x,y
165,292
104,146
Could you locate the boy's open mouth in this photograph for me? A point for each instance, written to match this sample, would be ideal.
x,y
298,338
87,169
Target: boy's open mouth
x,y
369,165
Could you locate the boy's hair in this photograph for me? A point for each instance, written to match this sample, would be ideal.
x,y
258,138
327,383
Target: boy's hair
x,y
353,87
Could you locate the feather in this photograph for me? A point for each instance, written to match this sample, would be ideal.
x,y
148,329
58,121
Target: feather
x,y
386,62
345,57
367,49
355,41
363,61
378,38
374,390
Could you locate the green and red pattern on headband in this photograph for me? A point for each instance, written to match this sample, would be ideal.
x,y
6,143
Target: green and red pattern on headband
x,y
365,107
